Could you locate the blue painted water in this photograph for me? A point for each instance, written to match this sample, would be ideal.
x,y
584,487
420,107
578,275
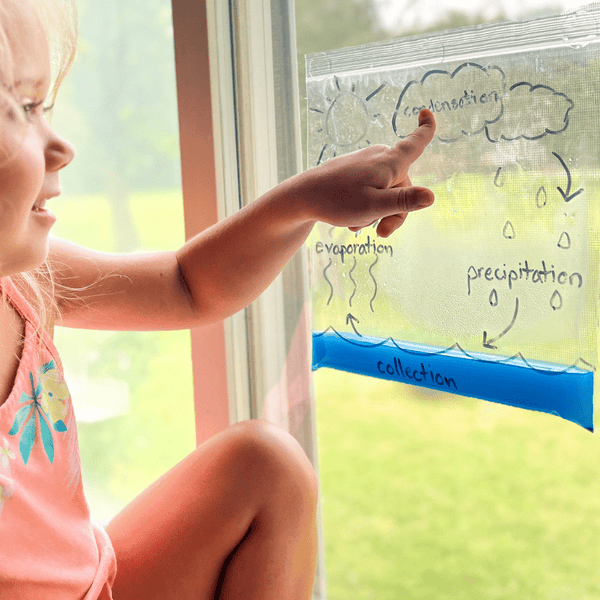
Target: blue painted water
x,y
563,390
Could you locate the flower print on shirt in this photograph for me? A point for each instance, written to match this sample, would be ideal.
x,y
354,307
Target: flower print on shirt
x,y
45,405
6,454
55,394
7,485
7,490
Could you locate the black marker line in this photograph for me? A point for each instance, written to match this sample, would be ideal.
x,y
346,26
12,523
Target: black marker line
x,y
375,282
496,178
350,320
564,241
541,191
452,75
509,231
567,196
488,343
556,301
321,155
546,130
375,92
329,282
591,366
352,280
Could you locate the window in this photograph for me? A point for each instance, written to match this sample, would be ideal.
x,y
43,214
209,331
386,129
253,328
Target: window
x,y
435,496
132,391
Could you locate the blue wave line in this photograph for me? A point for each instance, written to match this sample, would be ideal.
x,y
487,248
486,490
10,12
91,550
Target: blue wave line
x,y
455,348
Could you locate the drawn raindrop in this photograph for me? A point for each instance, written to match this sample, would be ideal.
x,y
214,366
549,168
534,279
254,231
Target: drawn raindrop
x,y
564,241
541,197
509,231
556,300
494,298
499,178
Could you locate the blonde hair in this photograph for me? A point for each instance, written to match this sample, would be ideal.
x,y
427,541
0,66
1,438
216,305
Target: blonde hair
x,y
59,18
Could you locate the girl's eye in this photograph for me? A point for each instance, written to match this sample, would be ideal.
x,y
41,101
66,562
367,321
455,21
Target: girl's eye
x,y
31,107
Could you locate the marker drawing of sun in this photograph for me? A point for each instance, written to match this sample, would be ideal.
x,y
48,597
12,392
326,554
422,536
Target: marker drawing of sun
x,y
345,117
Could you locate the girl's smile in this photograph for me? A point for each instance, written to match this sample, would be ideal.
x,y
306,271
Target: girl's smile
x,y
32,153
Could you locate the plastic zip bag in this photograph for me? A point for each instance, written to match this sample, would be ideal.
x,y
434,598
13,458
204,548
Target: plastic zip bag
x,y
492,292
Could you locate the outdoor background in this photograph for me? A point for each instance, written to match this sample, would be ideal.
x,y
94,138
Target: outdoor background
x,y
424,496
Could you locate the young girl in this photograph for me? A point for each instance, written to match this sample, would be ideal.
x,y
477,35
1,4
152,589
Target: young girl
x,y
236,518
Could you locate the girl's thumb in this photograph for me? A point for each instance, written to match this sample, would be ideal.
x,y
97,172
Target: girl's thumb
x,y
413,198
390,201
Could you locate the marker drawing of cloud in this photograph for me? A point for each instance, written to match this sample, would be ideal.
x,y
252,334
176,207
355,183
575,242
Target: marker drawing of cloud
x,y
530,113
464,101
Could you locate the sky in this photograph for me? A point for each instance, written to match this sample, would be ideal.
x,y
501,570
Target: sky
x,y
408,13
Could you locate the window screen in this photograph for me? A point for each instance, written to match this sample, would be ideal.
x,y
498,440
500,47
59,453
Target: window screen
x,y
493,291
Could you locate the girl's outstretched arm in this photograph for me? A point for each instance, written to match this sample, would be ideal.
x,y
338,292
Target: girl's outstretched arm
x,y
227,266
224,268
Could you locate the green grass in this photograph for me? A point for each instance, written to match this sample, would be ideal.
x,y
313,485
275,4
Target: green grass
x,y
442,498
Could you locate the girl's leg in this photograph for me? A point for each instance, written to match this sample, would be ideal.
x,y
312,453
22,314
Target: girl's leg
x,y
234,519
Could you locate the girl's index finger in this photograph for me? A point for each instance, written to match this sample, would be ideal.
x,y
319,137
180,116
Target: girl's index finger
x,y
413,145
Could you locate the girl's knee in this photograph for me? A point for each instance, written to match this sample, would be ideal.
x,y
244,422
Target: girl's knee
x,y
277,458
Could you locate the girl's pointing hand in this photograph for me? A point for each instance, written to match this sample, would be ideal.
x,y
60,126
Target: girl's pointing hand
x,y
359,188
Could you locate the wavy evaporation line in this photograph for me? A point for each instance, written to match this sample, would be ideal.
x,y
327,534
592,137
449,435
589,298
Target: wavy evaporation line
x,y
327,280
375,282
352,280
456,346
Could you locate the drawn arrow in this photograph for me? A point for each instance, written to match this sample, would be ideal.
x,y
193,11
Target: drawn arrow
x,y
489,343
350,320
567,196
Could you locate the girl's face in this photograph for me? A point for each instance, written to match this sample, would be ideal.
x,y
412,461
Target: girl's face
x,y
30,176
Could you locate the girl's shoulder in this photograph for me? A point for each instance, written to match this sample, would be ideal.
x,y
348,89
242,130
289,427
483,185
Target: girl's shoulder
x,y
34,301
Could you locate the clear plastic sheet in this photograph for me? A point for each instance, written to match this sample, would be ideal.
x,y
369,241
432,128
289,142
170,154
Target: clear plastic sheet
x,y
493,291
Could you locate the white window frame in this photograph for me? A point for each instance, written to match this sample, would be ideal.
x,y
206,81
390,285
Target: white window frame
x,y
247,49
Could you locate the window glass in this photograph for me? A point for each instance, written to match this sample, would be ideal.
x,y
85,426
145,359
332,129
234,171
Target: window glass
x,y
132,391
429,495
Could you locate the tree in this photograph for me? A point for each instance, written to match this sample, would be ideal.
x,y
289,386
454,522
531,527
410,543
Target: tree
x,y
123,101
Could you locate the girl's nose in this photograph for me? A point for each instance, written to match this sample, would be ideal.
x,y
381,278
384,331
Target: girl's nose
x,y
59,153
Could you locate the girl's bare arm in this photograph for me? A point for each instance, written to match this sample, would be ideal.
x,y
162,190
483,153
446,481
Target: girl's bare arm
x,y
224,268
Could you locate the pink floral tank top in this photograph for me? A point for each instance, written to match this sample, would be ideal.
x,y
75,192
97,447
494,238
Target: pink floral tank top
x,y
49,547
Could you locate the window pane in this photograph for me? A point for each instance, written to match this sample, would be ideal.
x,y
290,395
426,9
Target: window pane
x,y
132,390
433,496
